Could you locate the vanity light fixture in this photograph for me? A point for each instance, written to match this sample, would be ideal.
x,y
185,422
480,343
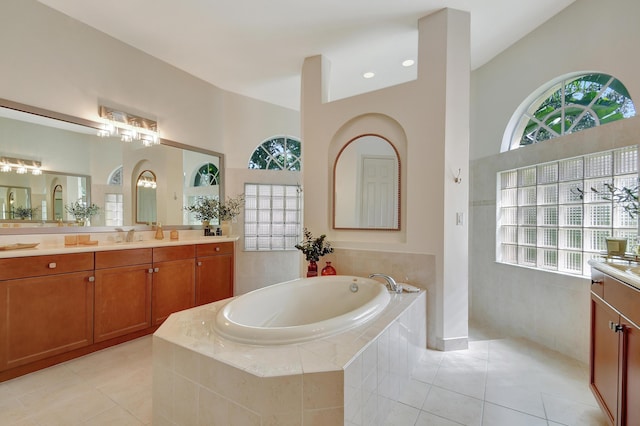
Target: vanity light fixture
x,y
20,166
147,182
128,126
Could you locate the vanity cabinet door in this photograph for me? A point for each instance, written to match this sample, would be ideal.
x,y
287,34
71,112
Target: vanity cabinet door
x,y
214,278
605,357
630,407
123,292
45,316
173,288
122,301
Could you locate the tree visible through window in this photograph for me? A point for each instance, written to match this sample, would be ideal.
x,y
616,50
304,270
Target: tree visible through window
x,y
279,153
208,175
572,105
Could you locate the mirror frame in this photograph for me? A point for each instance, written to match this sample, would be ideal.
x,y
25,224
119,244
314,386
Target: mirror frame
x,y
29,109
335,166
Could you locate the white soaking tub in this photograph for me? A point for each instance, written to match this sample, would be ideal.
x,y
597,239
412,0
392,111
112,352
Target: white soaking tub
x,y
301,310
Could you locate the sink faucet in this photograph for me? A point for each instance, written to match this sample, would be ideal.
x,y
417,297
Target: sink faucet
x,y
391,283
130,235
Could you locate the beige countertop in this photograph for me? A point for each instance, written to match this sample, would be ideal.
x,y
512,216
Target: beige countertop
x,y
624,270
54,244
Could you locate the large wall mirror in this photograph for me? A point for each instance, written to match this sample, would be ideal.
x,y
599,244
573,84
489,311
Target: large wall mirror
x,y
78,165
366,185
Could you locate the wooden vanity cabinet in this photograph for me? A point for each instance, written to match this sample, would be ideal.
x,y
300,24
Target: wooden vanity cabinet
x,y
214,272
173,287
46,307
122,292
615,349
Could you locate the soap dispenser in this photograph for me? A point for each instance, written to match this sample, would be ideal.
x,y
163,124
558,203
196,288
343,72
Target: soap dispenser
x,y
159,233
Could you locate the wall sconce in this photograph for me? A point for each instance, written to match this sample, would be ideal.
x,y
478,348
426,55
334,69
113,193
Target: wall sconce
x,y
128,126
458,179
20,166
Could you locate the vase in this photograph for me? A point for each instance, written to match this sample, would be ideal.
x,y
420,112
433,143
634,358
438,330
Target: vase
x,y
80,222
312,269
226,227
328,270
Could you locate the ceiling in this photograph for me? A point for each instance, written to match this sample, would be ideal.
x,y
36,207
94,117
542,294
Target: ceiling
x,y
256,48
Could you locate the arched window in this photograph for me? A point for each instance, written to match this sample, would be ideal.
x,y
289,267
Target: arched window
x,y
115,178
568,106
207,175
278,153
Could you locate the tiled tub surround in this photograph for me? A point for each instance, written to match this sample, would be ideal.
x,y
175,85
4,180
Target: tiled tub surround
x,y
352,377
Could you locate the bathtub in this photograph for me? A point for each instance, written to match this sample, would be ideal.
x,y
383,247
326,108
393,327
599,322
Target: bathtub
x,y
301,310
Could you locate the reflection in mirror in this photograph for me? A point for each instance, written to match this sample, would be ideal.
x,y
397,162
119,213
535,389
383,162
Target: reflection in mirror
x,y
96,170
15,200
366,185
57,202
146,207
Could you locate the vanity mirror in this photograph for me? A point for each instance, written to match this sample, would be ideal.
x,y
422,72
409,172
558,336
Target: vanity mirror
x,y
78,165
366,185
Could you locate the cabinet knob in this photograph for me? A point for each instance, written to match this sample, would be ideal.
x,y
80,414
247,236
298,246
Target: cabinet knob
x,y
199,263
92,279
596,282
52,265
156,269
616,328
217,248
150,270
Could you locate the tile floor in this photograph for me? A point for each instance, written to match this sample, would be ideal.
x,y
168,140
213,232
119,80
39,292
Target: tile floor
x,y
496,382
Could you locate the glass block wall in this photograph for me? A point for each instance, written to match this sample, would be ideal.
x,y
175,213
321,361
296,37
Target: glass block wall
x,y
272,216
555,216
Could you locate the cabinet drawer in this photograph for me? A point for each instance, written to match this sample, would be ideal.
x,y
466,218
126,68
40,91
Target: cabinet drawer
x,y
163,254
623,297
116,258
214,249
35,266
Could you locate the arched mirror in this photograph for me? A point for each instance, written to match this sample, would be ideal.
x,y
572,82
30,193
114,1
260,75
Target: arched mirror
x,y
366,185
146,209
58,209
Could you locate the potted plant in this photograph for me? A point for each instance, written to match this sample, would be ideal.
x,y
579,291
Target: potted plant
x,y
204,209
82,211
313,249
227,212
24,212
625,198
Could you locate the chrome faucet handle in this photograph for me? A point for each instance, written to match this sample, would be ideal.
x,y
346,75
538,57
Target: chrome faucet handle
x,y
391,283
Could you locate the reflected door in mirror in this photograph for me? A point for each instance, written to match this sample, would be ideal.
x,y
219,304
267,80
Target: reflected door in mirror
x,y
366,185
146,206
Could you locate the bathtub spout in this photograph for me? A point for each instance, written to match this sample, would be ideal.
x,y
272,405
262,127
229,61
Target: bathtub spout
x,y
391,283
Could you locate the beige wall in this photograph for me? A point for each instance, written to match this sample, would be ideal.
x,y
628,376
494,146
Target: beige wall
x,y
549,308
428,122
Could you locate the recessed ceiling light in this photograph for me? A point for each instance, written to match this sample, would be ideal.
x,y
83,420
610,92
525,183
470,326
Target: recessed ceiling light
x,y
369,74
408,62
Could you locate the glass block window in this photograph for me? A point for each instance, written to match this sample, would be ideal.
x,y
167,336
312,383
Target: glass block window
x,y
272,216
113,210
550,218
566,106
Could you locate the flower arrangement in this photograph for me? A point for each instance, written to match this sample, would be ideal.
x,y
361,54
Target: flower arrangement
x,y
314,248
229,209
24,212
212,208
625,197
81,211
204,209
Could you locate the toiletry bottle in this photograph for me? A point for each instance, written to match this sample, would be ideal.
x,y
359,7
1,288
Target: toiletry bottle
x,y
159,233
